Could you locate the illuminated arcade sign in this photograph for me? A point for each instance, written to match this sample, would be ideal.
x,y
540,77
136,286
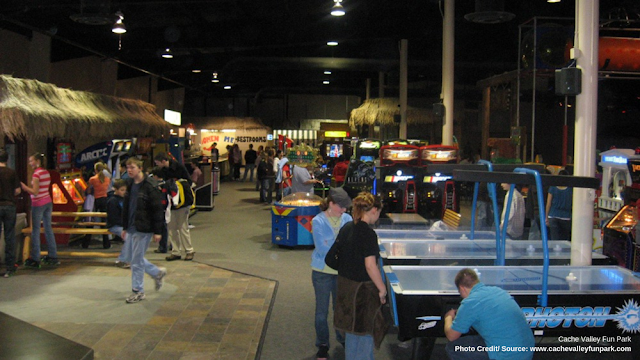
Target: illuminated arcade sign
x,y
614,159
439,154
335,134
397,178
369,145
391,154
435,179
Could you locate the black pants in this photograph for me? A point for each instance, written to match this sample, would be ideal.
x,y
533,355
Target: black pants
x,y
100,205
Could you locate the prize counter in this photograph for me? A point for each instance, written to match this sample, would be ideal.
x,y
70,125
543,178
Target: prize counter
x,y
291,219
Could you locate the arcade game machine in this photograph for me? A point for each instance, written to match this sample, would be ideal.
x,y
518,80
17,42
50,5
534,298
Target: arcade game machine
x,y
291,219
361,174
122,149
397,175
71,177
619,240
437,192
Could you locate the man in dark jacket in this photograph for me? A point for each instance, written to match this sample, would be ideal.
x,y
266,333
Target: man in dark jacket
x,y
142,217
250,157
171,168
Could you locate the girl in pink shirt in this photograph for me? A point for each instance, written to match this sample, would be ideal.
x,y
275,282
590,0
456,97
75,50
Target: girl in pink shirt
x,y
41,207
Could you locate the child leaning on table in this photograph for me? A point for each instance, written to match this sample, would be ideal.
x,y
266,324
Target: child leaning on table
x,y
114,220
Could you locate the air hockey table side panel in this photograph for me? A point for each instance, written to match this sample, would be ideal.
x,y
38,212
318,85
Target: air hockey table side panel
x,y
423,234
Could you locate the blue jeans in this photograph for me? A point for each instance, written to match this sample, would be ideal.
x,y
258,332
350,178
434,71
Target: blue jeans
x,y
467,341
42,214
251,168
125,254
559,229
325,286
359,347
8,220
139,242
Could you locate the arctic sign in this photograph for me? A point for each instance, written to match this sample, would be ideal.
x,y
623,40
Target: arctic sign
x,y
93,153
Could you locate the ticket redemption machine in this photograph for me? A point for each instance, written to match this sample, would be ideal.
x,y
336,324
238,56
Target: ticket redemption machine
x,y
397,175
619,239
361,175
291,219
436,191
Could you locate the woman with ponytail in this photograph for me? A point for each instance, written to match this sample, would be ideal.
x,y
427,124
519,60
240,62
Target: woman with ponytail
x,y
100,185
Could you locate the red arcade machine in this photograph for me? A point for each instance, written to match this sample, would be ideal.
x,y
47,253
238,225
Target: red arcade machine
x,y
397,175
437,192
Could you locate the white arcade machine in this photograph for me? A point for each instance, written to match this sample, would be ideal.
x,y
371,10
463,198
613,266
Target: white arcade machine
x,y
615,177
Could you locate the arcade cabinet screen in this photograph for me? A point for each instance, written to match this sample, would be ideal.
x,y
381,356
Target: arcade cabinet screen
x,y
127,146
334,150
119,146
367,158
393,154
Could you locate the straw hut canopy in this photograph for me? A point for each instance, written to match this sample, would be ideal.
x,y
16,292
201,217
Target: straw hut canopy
x,y
383,110
35,109
229,122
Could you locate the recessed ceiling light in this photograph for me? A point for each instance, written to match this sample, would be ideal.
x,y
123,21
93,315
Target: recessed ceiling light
x,y
326,82
332,43
118,27
196,71
327,72
215,80
227,87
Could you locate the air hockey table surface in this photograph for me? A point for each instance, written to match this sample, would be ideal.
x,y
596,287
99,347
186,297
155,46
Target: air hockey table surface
x,y
477,252
582,300
424,234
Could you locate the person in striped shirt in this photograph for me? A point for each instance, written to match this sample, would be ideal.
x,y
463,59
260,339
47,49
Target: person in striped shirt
x,y
41,207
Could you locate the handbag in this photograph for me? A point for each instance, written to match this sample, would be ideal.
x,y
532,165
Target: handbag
x,y
332,259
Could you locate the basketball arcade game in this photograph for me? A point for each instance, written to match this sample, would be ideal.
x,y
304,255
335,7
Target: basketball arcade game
x,y
556,300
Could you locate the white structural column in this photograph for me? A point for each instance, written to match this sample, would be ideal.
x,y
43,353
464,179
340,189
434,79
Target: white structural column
x,y
586,52
448,39
404,70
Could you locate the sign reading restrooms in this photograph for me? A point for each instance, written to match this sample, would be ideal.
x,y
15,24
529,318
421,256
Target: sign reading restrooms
x,y
207,138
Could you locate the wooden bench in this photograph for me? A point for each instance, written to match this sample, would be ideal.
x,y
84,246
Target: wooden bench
x,y
73,228
452,219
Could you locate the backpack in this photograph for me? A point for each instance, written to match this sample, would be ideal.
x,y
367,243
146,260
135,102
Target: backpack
x,y
184,195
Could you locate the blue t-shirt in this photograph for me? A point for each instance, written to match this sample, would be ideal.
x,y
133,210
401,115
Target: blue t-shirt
x,y
560,202
494,314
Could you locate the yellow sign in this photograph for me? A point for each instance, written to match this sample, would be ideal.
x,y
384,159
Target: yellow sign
x,y
335,134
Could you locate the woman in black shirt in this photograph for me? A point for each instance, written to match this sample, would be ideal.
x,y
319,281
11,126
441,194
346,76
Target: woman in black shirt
x,y
361,291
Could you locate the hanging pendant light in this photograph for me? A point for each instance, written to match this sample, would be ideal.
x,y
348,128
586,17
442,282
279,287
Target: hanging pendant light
x,y
118,27
337,9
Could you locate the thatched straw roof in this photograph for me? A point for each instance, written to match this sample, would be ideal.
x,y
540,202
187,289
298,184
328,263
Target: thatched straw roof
x,y
35,109
230,122
383,110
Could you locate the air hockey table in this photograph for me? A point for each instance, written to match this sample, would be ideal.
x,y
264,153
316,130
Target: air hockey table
x,y
418,234
582,300
476,252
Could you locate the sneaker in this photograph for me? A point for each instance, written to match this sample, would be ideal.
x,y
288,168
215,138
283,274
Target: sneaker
x,y
122,265
160,278
189,256
46,260
323,352
173,257
9,273
32,263
192,226
135,297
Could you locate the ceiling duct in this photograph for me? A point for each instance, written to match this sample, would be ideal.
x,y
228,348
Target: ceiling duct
x,y
489,12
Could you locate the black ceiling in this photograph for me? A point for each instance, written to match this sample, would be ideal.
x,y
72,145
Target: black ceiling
x,y
281,44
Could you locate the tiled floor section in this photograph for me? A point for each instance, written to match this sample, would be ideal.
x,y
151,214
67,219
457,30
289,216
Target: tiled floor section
x,y
213,314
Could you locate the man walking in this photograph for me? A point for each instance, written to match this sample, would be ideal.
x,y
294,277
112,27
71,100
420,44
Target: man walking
x,y
9,189
142,217
250,157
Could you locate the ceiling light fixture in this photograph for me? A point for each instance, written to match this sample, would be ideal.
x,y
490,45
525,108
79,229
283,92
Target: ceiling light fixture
x,y
326,82
227,87
196,71
327,72
332,43
167,54
118,27
554,1
337,9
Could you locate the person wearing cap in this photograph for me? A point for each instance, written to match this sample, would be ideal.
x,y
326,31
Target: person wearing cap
x,y
326,226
